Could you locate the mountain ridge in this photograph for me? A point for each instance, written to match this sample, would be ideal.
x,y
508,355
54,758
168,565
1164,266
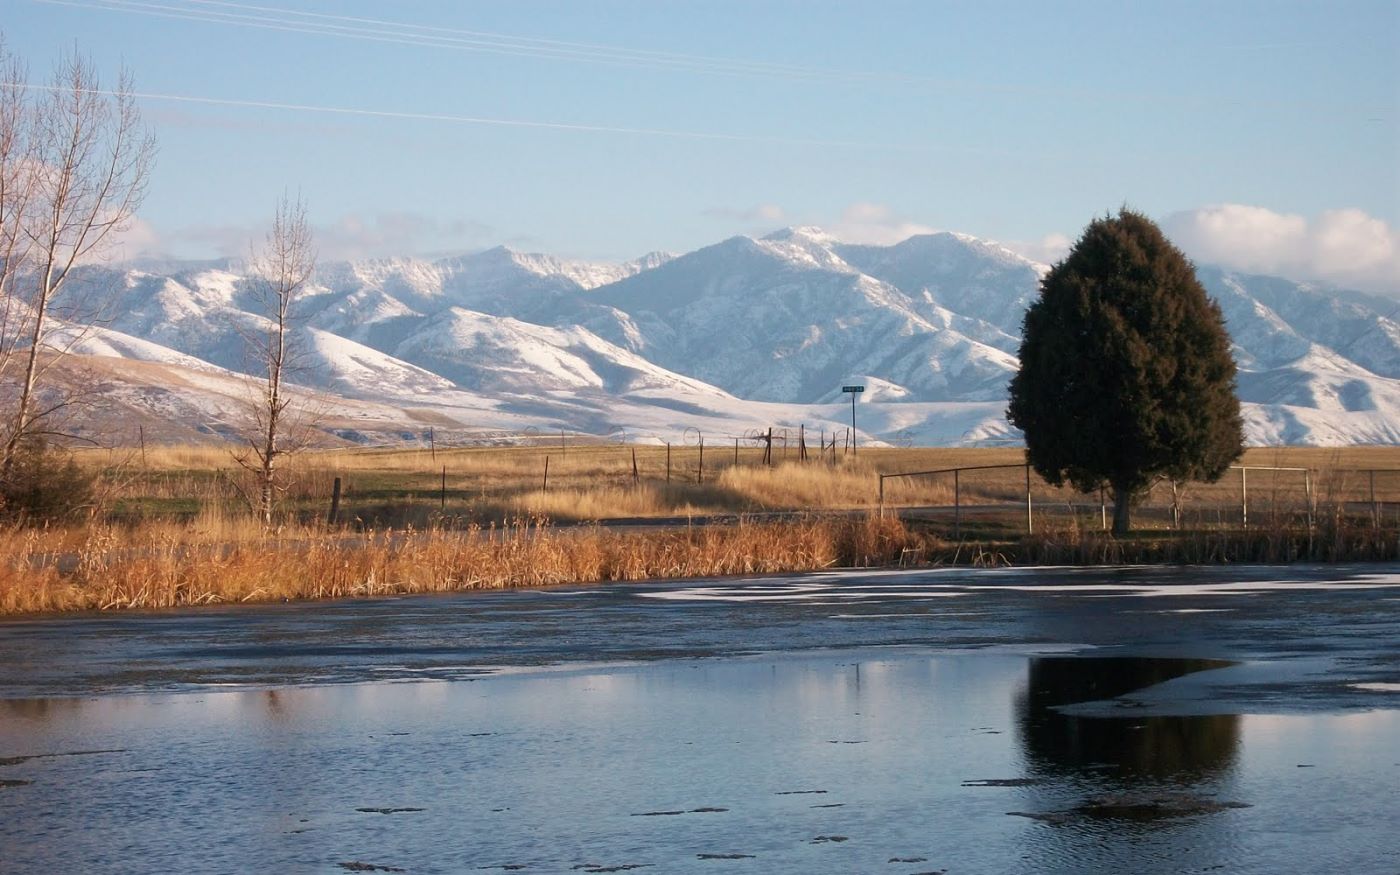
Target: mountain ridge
x,y
766,327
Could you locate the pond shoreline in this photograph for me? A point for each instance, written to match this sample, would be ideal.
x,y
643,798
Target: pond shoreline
x,y
111,573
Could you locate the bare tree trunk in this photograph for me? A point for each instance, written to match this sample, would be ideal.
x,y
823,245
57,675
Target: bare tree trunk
x,y
82,177
16,188
26,392
282,269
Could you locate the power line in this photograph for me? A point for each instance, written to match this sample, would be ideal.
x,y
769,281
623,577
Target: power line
x,y
406,34
434,36
465,119
516,39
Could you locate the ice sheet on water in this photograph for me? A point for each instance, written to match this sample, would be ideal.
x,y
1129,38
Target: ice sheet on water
x,y
825,587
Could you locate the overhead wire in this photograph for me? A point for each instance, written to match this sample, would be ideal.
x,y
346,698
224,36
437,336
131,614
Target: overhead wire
x,y
411,35
466,119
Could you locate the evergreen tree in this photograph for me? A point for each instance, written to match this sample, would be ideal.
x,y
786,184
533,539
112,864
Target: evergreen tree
x,y
1126,375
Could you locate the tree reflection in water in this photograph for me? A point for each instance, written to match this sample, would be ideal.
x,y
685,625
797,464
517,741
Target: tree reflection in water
x,y
1185,749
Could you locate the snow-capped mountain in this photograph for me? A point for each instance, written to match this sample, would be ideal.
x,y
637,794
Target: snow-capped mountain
x,y
744,333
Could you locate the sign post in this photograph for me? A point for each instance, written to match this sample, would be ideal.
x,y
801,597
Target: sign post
x,y
853,390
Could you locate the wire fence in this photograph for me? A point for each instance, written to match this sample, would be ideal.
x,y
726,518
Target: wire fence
x,y
1247,496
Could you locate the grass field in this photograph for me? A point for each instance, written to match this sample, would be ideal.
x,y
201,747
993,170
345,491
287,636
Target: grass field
x,y
583,483
172,528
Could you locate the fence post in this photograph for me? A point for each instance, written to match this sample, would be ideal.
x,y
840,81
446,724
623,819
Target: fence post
x,y
432,442
1375,509
882,496
1030,526
335,503
442,501
736,452
1103,510
1244,498
957,504
1308,497
700,472
636,476
546,474
668,461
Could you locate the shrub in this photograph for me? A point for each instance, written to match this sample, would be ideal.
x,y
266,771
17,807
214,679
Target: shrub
x,y
44,483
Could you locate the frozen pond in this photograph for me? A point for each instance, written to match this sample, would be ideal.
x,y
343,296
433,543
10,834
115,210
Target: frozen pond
x,y
1188,720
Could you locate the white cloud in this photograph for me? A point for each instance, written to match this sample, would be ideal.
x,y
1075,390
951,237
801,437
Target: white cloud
x,y
138,237
764,213
1047,250
397,233
1344,247
348,237
875,224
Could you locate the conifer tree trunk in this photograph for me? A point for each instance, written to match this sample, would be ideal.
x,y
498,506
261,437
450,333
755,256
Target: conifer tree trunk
x,y
1122,510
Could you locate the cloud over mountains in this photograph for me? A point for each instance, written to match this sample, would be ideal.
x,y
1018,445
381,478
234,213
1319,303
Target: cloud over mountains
x,y
1346,248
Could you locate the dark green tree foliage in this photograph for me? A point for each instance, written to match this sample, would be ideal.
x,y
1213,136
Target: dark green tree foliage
x,y
43,484
1126,375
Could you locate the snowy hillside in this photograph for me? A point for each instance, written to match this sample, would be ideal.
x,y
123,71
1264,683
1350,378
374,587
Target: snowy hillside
x,y
741,334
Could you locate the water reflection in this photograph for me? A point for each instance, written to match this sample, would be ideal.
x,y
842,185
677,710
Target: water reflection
x,y
39,710
820,762
1179,748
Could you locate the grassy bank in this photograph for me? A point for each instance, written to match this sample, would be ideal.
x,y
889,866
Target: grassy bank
x,y
151,568
113,570
398,488
171,528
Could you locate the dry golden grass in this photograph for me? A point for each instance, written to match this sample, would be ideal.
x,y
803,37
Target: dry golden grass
x,y
111,571
177,532
597,482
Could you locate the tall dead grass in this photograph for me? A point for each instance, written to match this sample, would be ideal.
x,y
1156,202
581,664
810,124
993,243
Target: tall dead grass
x,y
110,571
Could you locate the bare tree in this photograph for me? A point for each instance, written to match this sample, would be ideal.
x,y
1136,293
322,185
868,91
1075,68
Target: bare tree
x,y
84,160
16,187
281,272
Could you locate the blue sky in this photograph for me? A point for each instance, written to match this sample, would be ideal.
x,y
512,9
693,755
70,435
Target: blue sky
x,y
1267,132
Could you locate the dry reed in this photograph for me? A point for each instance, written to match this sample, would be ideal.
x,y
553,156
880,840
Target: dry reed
x,y
110,571
181,535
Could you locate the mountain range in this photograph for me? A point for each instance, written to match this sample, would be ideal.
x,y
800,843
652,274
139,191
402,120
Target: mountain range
x,y
739,335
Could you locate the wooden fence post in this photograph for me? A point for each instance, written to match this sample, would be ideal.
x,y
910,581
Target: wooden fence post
x,y
668,461
1030,526
1375,508
700,472
957,504
1308,497
335,503
1244,498
546,475
636,476
442,503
